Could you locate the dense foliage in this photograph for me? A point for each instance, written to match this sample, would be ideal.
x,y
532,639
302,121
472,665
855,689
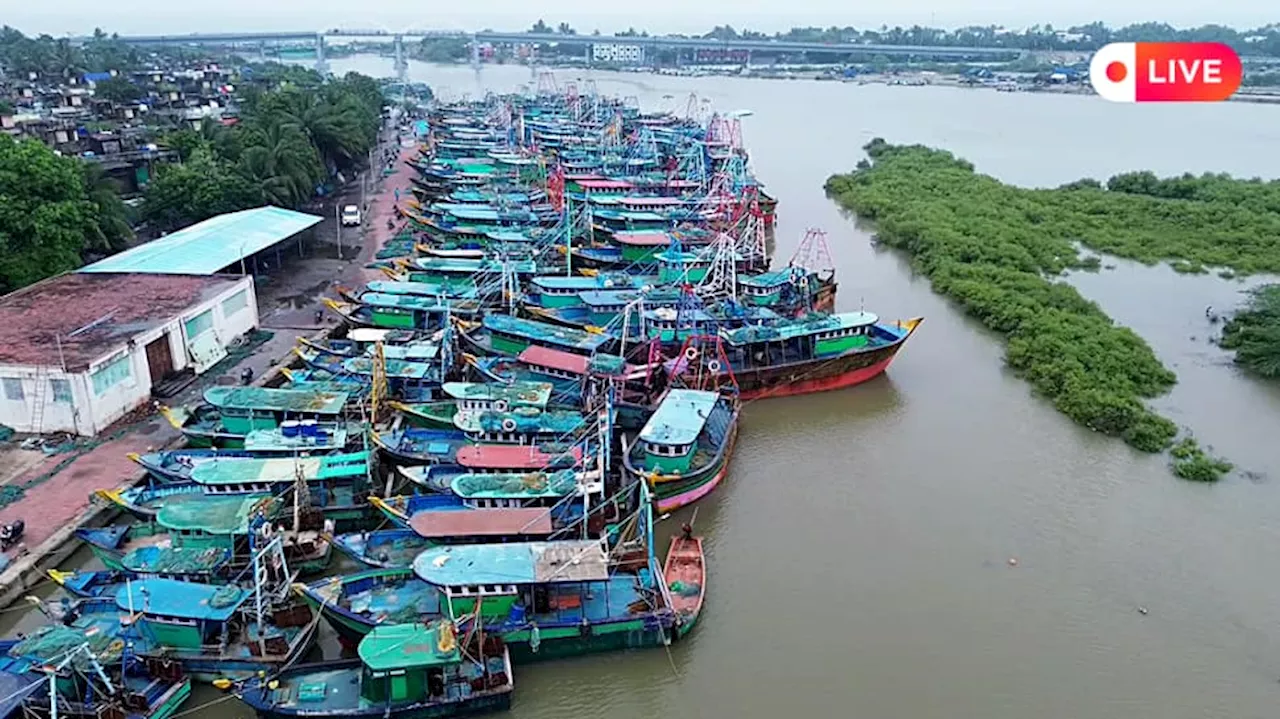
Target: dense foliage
x,y
1191,462
290,139
993,247
48,55
1254,332
47,214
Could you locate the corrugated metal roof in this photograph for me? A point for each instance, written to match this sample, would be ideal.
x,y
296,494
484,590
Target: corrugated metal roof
x,y
207,247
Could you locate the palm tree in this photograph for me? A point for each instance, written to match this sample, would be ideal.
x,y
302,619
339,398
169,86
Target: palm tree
x,y
110,229
341,128
279,157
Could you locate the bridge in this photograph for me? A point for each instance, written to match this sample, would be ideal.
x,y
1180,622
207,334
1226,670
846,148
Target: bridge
x,y
649,43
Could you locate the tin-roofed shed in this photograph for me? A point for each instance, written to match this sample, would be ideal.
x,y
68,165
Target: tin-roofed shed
x,y
206,248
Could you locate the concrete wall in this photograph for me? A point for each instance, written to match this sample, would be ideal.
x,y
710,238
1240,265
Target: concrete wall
x,y
89,413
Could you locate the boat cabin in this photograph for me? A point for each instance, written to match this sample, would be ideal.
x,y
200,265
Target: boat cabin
x,y
524,425
640,245
506,458
808,338
412,312
670,438
266,475
512,490
483,396
512,335
244,409
512,578
420,665
219,523
182,615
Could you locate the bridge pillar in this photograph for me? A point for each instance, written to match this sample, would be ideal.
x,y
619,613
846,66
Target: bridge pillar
x,y
322,65
475,51
402,63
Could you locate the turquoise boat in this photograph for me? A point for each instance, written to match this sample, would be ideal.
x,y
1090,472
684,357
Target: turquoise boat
x,y
683,451
404,671
475,397
522,425
229,414
509,336
214,632
201,535
339,484
408,312
383,548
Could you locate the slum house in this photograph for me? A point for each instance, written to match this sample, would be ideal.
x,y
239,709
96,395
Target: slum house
x,y
81,350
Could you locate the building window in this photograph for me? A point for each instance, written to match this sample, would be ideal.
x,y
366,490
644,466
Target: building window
x,y
199,324
235,303
61,389
112,373
13,389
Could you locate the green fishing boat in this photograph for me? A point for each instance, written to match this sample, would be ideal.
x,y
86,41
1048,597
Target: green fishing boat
x,y
475,397
229,414
338,484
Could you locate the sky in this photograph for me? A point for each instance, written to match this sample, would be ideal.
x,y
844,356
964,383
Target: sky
x,y
76,17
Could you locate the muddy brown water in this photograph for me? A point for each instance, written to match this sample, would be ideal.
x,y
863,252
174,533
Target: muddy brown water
x,y
859,550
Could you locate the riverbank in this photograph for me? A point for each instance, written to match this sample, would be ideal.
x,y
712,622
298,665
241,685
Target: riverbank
x,y
57,496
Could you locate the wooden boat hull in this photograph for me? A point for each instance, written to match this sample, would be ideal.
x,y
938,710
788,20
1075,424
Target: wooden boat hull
x,y
685,572
671,493
208,668
819,375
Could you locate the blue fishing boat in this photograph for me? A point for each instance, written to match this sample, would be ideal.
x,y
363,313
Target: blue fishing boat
x,y
229,414
509,336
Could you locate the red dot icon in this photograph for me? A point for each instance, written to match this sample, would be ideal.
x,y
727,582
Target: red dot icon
x,y
1116,71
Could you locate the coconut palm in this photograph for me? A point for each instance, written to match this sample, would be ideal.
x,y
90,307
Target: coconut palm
x,y
339,125
282,161
110,229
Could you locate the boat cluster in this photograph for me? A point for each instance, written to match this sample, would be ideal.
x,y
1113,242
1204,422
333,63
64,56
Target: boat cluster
x,y
578,304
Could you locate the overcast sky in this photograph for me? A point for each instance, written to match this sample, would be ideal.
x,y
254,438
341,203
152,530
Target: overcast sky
x,y
59,17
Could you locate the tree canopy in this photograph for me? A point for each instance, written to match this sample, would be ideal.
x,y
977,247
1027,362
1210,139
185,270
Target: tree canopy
x,y
46,216
994,248
290,139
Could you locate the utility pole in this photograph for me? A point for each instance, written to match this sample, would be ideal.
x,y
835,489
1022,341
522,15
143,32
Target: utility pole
x,y
337,226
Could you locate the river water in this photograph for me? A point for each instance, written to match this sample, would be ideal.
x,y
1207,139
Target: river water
x,y
860,551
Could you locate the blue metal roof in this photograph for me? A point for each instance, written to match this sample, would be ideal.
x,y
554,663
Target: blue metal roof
x,y
513,563
185,600
680,417
207,247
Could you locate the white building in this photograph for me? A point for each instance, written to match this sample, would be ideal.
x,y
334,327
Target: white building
x,y
79,351
616,54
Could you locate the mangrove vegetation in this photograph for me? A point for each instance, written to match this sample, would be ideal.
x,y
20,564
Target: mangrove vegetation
x,y
1254,333
995,249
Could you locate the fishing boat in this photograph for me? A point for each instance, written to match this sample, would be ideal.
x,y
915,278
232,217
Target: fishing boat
x,y
474,397
202,523
812,354
405,671
229,414
494,458
409,312
685,572
360,341
175,465
92,674
410,446
683,451
521,425
509,336
411,371
214,632
353,604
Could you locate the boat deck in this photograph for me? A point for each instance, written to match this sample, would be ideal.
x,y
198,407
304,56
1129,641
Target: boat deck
x,y
596,602
395,603
333,690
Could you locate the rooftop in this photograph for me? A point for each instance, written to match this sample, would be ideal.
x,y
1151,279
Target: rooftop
x,y
267,399
554,359
679,417
514,456
506,522
514,563
207,247
88,316
404,646
812,325
185,600
544,332
213,514
533,485
535,394
236,470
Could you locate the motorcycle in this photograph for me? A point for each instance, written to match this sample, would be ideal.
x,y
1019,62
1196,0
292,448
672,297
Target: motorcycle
x,y
11,534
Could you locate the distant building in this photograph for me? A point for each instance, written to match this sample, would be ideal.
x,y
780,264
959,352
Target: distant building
x,y
616,54
81,350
